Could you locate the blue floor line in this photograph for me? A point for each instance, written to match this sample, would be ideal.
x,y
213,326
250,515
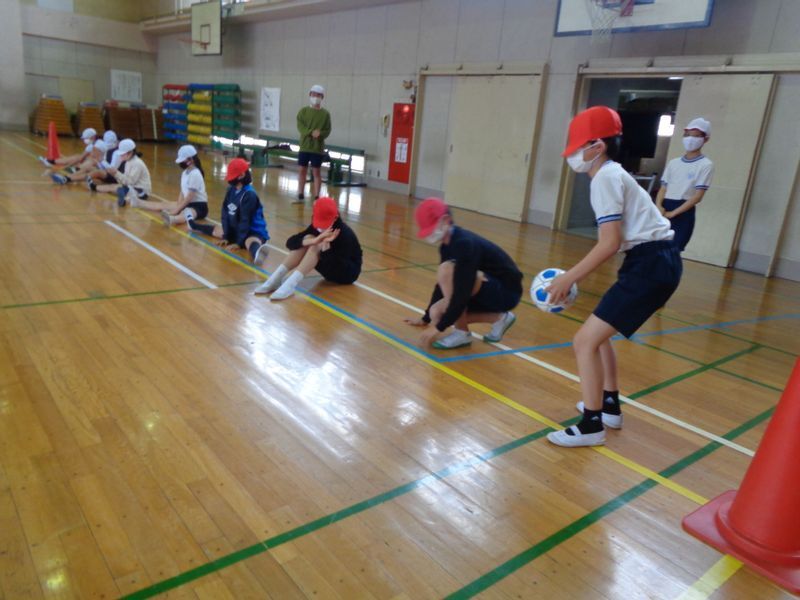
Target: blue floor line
x,y
467,357
364,322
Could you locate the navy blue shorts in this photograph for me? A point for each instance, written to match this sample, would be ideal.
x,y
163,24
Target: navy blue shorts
x,y
647,278
303,158
494,297
201,208
338,269
682,225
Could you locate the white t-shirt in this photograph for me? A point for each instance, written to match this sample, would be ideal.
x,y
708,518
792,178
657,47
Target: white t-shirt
x,y
615,196
683,177
192,181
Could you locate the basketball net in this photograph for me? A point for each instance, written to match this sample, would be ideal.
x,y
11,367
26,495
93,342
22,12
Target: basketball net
x,y
604,13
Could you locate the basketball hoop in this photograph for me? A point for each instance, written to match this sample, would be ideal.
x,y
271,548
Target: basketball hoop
x,y
604,14
200,43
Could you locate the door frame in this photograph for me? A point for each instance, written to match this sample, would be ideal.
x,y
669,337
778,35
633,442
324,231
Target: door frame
x,y
581,94
478,69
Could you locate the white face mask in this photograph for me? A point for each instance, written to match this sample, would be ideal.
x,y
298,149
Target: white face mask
x,y
437,235
692,143
315,100
576,162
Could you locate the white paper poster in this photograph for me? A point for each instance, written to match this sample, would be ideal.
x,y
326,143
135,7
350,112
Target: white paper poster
x,y
401,150
271,109
126,85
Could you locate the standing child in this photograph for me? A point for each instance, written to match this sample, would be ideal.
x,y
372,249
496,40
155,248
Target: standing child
x,y
242,218
192,201
314,125
685,181
327,245
135,179
629,222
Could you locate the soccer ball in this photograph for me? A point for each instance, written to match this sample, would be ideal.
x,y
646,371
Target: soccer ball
x,y
540,297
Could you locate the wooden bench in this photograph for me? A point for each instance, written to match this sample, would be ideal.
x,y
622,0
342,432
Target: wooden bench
x,y
280,147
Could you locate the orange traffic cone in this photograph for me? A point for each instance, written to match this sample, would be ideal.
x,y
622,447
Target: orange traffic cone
x,y
759,524
53,151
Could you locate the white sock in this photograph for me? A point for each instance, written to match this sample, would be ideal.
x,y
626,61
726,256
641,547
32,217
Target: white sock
x,y
278,273
292,281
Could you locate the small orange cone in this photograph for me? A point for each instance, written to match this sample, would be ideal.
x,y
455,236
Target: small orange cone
x,y
759,524
53,152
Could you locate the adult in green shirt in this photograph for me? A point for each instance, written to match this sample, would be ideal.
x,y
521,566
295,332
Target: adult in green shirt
x,y
314,125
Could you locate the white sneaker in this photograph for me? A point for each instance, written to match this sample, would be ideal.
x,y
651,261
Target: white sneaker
x,y
269,286
612,421
261,255
167,218
457,339
500,327
562,438
287,287
45,162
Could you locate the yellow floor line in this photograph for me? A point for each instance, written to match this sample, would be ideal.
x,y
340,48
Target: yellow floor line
x,y
712,579
625,462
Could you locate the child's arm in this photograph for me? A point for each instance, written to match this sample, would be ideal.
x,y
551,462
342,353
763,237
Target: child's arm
x,y
662,193
695,199
608,243
184,201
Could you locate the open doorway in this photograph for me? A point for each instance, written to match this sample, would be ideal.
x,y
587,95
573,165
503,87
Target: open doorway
x,y
647,107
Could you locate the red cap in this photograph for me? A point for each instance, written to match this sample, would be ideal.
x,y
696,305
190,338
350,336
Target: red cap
x,y
592,124
325,213
236,168
428,214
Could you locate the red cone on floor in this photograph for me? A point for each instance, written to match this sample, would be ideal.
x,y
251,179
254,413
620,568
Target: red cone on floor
x,y
759,524
53,151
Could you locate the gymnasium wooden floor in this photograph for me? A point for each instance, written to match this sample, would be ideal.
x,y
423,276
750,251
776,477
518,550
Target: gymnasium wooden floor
x,y
164,431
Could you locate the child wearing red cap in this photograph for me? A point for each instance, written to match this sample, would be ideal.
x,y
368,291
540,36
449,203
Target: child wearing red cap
x,y
477,282
628,221
242,223
327,245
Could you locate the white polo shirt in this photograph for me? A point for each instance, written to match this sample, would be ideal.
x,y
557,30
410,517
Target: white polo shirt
x,y
615,196
683,176
192,181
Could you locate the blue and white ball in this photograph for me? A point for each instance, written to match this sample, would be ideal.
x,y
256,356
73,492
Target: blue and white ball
x,y
541,298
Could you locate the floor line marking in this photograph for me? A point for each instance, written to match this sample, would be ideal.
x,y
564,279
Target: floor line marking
x,y
433,359
420,355
712,579
163,256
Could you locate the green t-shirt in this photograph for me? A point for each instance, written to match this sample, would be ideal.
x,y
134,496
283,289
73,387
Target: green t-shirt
x,y
309,119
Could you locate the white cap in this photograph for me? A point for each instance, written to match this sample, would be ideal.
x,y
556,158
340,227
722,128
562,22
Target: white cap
x,y
185,152
701,124
88,134
126,145
110,138
318,89
100,145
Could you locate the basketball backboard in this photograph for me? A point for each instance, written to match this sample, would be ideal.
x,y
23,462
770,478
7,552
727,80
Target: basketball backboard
x,y
207,28
575,17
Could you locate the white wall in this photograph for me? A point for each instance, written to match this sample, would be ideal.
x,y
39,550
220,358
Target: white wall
x,y
363,55
53,59
13,110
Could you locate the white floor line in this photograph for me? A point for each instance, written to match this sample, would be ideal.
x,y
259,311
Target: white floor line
x,y
163,256
566,374
557,370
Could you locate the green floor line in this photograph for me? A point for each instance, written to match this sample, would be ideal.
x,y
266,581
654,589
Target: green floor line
x,y
522,559
119,296
293,534
693,372
238,556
